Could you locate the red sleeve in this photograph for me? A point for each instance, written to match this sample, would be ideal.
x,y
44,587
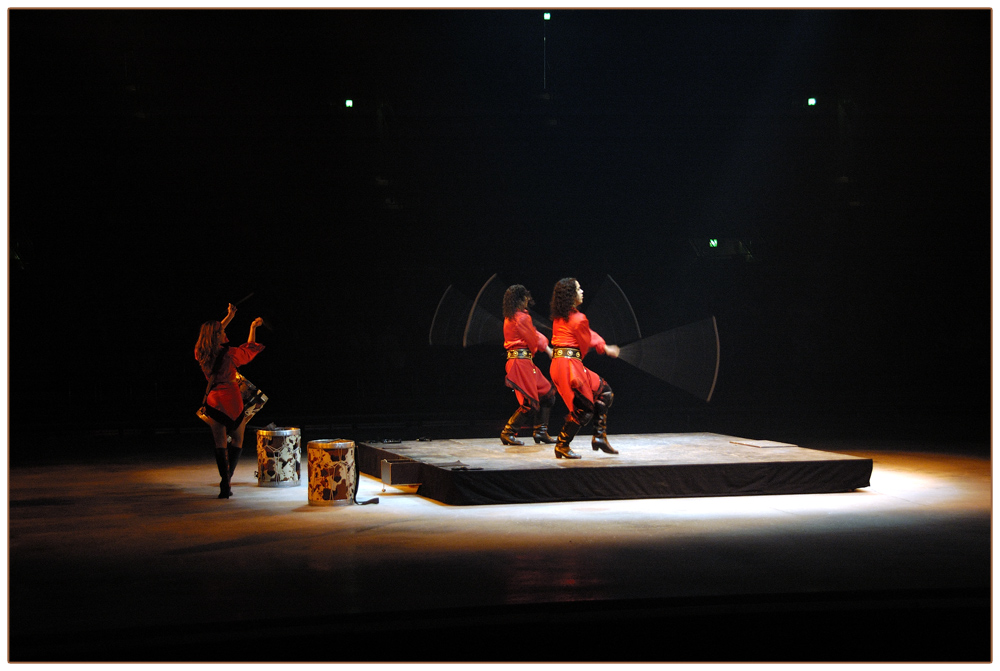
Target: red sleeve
x,y
245,353
526,331
543,342
585,337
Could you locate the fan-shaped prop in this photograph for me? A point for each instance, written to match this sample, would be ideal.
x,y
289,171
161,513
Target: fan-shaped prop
x,y
686,357
448,324
484,323
611,315
485,320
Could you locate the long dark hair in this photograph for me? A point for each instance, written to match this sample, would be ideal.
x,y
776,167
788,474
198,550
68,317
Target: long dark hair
x,y
563,298
513,298
209,345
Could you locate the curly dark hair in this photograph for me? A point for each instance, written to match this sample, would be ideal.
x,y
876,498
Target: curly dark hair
x,y
563,298
515,295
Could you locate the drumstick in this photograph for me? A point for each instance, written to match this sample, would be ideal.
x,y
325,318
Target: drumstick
x,y
264,322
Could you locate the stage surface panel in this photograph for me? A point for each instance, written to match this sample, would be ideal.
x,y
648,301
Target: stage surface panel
x,y
483,471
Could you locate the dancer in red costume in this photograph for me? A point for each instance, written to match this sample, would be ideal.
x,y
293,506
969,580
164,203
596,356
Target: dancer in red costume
x,y
534,392
224,402
585,393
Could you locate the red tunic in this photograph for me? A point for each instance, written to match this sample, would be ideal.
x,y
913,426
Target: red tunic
x,y
570,374
225,395
523,377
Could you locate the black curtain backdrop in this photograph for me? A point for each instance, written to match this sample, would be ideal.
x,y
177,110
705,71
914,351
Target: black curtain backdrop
x,y
163,163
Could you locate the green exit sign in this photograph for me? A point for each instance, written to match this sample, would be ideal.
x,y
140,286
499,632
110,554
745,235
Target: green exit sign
x,y
713,243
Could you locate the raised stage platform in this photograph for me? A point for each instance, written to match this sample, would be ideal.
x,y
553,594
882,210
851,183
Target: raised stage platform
x,y
661,465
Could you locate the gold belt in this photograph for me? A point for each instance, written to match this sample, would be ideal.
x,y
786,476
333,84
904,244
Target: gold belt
x,y
565,353
519,354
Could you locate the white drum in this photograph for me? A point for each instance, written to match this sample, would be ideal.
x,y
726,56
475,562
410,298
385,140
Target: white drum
x,y
278,457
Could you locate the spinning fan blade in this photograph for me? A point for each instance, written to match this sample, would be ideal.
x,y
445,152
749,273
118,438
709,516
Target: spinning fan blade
x,y
459,321
611,315
485,321
448,324
686,357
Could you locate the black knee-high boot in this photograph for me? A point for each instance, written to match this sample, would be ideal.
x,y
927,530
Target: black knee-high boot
x,y
234,458
541,434
600,439
562,448
222,461
509,434
601,405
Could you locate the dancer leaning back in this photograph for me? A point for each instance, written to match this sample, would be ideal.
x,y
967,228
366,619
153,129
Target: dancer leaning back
x,y
534,392
585,393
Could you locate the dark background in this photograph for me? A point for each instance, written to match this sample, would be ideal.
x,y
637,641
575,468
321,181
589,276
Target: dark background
x,y
164,163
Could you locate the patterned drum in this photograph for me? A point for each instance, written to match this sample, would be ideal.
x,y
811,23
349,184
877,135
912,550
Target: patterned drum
x,y
253,398
332,472
278,458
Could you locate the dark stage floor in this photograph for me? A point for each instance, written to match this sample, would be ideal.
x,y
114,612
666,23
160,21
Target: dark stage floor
x,y
128,556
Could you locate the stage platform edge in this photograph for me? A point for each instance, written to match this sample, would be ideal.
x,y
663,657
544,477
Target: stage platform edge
x,y
482,471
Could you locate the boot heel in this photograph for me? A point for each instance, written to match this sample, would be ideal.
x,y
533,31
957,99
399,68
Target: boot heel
x,y
509,434
541,435
509,441
600,442
562,449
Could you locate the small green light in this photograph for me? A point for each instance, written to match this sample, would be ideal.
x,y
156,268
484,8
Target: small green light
x,y
547,16
713,243
812,101
348,103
